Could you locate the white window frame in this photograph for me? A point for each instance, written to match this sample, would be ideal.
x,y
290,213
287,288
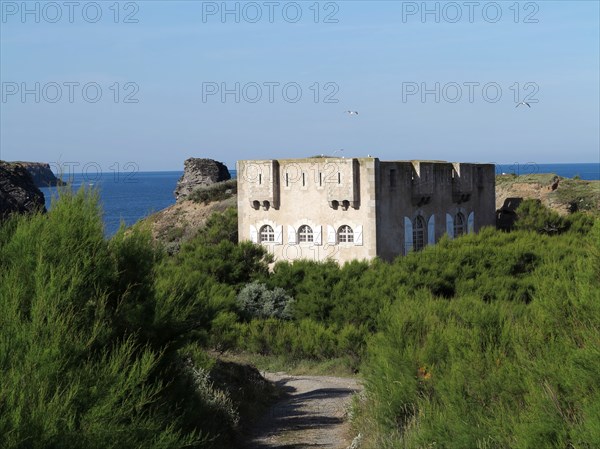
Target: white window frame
x,y
459,228
305,234
345,235
419,230
269,233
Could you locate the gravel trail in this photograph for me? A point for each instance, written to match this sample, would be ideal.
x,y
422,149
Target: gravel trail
x,y
312,414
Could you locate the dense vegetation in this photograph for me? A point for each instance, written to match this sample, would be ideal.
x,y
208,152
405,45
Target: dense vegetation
x,y
489,340
92,353
519,370
214,192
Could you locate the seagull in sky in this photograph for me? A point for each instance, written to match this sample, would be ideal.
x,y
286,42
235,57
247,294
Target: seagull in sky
x,y
524,103
351,112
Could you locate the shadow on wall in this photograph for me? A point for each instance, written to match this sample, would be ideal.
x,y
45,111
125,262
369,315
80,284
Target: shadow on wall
x,y
507,215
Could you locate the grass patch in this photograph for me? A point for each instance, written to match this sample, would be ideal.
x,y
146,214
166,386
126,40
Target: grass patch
x,y
174,234
578,194
538,178
585,195
339,367
215,192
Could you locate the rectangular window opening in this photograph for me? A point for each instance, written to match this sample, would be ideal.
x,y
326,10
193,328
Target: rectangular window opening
x,y
303,179
287,180
339,178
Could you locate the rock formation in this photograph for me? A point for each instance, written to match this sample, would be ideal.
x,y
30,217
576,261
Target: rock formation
x,y
200,172
41,173
18,193
563,195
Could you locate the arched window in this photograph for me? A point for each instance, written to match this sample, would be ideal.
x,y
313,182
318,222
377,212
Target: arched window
x,y
459,225
267,234
305,234
345,234
418,233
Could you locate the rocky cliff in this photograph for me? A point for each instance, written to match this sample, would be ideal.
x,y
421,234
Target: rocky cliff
x,y
564,195
18,193
41,173
200,172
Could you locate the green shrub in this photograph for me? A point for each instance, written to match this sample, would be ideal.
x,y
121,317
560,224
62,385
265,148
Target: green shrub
x,y
214,192
219,227
508,374
224,333
88,345
305,339
532,215
257,301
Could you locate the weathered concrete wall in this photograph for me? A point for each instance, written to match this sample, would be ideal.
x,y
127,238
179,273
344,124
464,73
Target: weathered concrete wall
x,y
324,194
378,200
435,191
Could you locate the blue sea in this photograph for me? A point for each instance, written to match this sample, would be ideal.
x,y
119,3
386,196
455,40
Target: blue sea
x,y
590,171
125,199
129,198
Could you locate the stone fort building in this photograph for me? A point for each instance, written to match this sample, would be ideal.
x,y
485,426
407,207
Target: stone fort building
x,y
360,208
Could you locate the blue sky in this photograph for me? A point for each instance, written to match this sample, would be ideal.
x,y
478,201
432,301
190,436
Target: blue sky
x,y
371,58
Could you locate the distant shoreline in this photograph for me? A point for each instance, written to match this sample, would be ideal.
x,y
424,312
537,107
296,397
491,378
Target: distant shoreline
x,y
589,171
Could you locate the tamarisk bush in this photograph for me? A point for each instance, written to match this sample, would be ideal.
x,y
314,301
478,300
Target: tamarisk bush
x,y
88,354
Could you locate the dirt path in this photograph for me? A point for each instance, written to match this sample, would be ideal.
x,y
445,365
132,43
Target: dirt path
x,y
313,413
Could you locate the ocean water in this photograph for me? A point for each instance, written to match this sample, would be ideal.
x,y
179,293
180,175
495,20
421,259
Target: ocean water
x,y
125,198
588,172
129,198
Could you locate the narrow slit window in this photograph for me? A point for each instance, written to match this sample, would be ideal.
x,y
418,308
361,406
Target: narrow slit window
x,y
303,179
339,178
287,180
260,178
320,179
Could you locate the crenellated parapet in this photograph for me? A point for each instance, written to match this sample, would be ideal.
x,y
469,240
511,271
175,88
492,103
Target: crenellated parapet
x,y
468,179
261,181
462,182
422,182
343,185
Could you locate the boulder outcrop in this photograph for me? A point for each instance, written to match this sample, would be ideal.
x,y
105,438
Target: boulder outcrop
x,y
18,193
41,173
562,195
200,172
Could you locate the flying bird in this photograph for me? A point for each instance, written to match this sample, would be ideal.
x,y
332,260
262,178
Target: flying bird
x,y
524,103
351,112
